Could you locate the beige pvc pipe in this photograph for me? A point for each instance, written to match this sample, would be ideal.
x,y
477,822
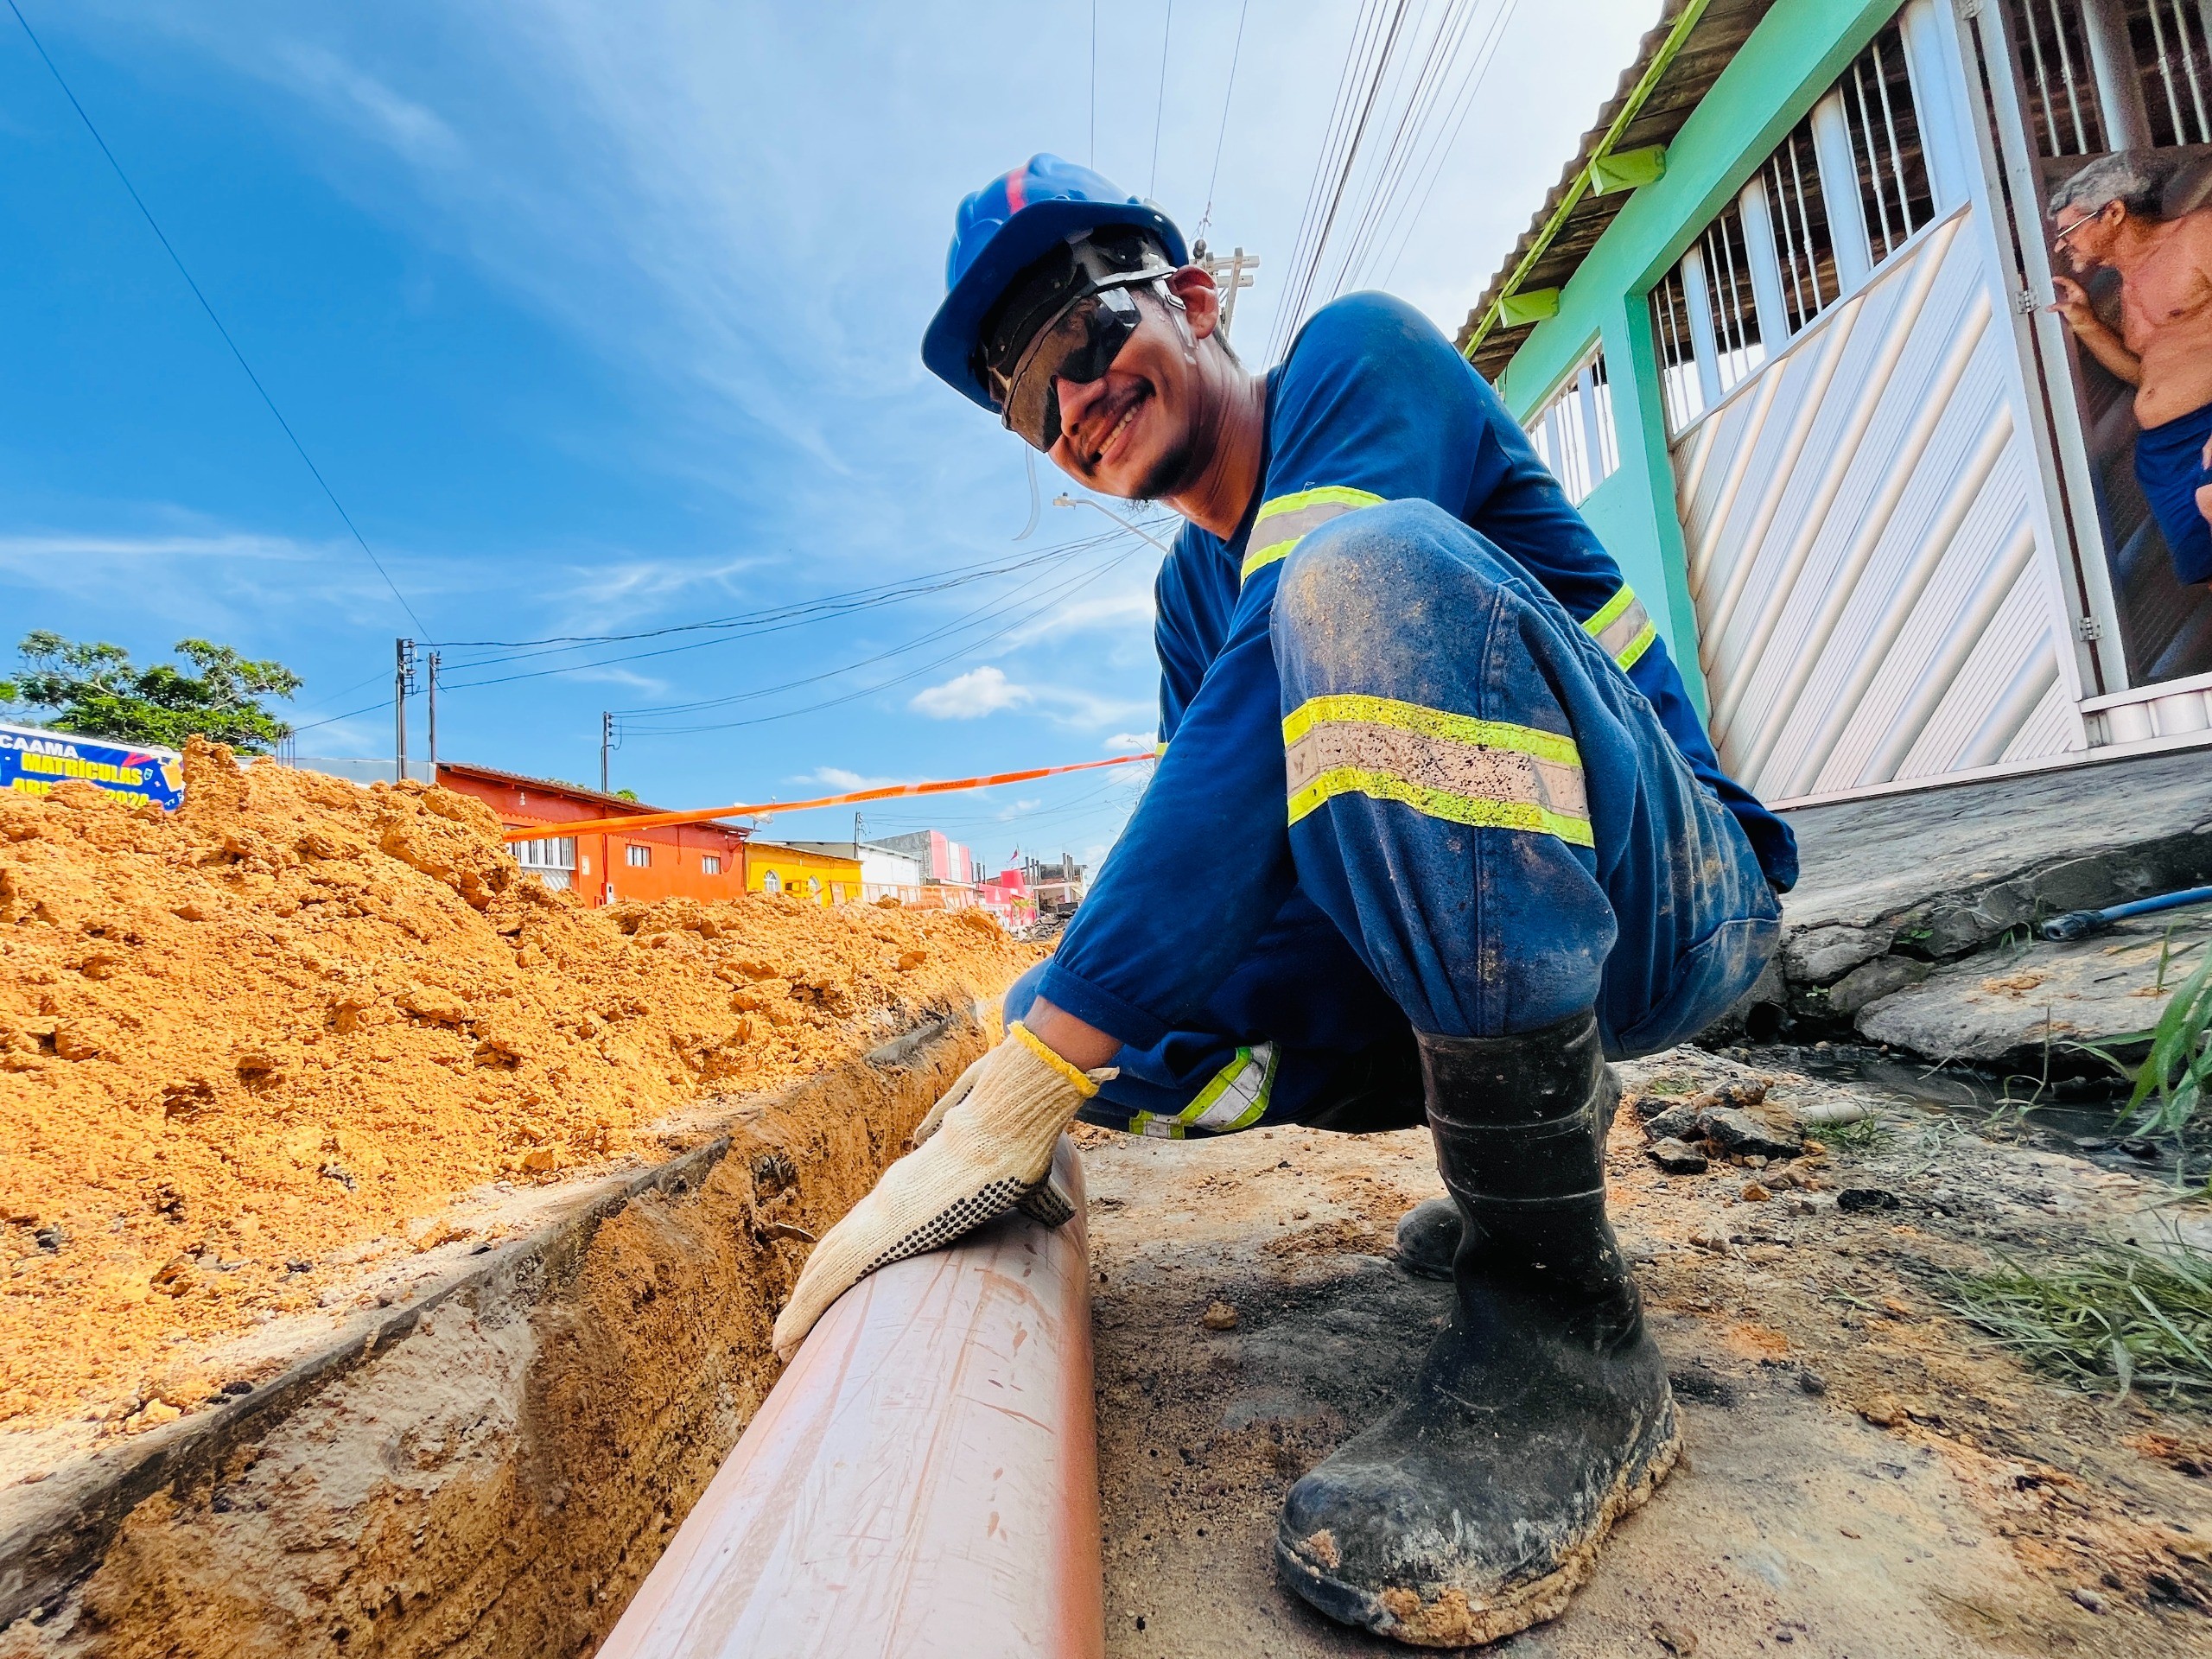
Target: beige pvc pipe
x,y
922,1482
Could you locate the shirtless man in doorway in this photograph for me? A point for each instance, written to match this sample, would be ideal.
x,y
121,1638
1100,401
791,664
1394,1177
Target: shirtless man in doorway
x,y
2107,215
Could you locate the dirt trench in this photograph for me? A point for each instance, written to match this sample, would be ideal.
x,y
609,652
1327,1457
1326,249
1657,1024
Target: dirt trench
x,y
491,1469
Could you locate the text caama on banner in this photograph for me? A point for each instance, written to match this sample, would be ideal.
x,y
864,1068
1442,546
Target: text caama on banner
x,y
32,761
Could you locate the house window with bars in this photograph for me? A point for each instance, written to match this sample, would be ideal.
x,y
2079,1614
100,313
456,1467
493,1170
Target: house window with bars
x,y
1573,432
1737,347
638,857
1680,388
2059,79
711,864
1893,188
552,860
1804,249
2174,62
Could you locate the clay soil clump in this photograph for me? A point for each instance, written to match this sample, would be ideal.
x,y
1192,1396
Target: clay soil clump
x,y
247,1046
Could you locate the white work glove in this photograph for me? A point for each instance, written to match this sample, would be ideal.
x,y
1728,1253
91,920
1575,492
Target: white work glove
x,y
979,1153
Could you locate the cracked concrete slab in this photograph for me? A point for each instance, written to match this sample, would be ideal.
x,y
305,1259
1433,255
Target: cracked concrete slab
x,y
1949,870
2003,1005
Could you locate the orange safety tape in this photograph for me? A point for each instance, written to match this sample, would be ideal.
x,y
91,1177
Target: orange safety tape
x,y
661,820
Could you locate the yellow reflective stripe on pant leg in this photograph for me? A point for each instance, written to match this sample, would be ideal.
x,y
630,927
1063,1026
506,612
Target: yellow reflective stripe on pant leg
x,y
1283,522
1622,627
1489,774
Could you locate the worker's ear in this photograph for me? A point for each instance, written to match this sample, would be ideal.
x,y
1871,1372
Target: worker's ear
x,y
1193,290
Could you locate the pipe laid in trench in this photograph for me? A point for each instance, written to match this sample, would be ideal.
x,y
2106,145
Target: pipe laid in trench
x,y
923,1480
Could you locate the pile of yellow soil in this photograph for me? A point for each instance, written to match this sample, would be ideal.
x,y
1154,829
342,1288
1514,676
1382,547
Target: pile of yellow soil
x,y
298,1015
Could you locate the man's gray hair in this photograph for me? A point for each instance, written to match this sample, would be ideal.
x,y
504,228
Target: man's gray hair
x,y
2137,179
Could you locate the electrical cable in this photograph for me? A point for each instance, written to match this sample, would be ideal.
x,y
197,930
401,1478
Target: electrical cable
x,y
965,648
1061,554
1235,53
1351,157
986,612
1412,104
177,260
1416,204
1364,30
1158,103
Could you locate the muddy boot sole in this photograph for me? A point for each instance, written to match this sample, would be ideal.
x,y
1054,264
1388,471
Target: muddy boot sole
x,y
1451,1617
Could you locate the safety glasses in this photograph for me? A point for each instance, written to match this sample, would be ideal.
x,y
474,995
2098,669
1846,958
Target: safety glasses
x,y
1065,318
1079,345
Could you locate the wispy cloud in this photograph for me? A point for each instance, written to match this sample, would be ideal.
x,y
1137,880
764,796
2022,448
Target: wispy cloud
x,y
1131,743
839,777
416,132
969,696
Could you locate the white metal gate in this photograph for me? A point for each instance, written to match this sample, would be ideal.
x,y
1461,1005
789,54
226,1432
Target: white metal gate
x,y
1872,604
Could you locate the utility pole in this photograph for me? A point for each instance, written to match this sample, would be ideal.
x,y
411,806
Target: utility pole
x,y
402,685
1229,274
434,716
856,838
606,742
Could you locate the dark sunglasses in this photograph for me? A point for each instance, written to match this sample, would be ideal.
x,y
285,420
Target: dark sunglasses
x,y
1079,345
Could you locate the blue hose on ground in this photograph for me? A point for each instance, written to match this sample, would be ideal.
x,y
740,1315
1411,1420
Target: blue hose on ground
x,y
2080,923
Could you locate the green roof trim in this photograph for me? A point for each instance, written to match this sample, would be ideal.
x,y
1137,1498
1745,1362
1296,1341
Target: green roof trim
x,y
1628,169
1530,305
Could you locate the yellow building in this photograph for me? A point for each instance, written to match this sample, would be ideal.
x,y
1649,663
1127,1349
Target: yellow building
x,y
823,877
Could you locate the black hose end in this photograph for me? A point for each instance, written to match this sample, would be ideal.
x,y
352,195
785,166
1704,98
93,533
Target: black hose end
x,y
2074,924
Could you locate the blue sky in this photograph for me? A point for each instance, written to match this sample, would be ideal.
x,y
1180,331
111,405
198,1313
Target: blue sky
x,y
602,318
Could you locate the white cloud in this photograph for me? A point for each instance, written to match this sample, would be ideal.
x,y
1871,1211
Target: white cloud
x,y
839,777
416,132
1018,808
966,697
1131,743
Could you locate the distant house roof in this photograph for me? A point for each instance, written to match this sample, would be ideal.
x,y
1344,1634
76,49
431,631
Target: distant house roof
x,y
614,805
1714,40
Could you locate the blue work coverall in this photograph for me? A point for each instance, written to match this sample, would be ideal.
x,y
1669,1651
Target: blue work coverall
x,y
1428,766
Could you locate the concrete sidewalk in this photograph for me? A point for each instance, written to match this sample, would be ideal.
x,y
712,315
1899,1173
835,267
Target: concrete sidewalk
x,y
1914,922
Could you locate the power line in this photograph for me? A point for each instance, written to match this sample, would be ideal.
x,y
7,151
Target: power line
x,y
1158,103
1432,168
1235,53
1093,161
962,650
1059,555
1351,158
167,247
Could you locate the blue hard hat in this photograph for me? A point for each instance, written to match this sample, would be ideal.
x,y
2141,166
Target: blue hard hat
x,y
1002,229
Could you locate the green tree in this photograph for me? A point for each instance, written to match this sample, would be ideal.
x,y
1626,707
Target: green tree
x,y
95,690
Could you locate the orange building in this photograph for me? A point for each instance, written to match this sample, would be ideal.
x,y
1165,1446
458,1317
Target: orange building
x,y
686,861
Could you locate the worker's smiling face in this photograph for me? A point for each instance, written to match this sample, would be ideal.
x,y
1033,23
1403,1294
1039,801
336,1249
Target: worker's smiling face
x,y
1140,430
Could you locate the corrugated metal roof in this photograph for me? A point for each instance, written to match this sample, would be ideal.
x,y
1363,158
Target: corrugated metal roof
x,y
1714,40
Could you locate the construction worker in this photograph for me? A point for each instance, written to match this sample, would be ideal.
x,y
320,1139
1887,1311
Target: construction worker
x,y
1460,839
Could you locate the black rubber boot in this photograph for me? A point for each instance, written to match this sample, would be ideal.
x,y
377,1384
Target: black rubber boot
x,y
1541,1414
1429,1237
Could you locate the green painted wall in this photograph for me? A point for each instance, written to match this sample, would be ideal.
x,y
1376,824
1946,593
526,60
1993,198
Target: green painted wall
x,y
1790,60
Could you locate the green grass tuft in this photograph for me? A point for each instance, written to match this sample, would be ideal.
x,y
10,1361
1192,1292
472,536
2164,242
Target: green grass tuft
x,y
2123,1317
1863,1134
2171,1081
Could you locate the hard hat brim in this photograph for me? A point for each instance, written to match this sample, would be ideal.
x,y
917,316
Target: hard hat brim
x,y
948,344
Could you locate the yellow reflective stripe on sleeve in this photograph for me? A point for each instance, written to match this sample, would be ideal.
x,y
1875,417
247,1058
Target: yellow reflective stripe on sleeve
x,y
1284,521
1235,1097
1159,748
1622,627
1488,773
